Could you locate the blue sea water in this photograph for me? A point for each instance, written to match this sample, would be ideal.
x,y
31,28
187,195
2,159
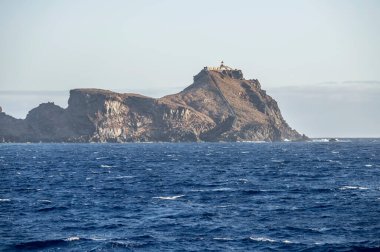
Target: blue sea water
x,y
312,196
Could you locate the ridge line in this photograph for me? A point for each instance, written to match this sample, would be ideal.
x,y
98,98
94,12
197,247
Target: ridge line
x,y
232,111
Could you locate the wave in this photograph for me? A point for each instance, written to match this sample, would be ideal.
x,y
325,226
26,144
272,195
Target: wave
x,y
266,239
106,166
252,191
72,238
124,177
353,188
169,197
278,161
48,209
39,245
228,189
222,189
251,142
45,201
222,239
323,140
262,239
97,239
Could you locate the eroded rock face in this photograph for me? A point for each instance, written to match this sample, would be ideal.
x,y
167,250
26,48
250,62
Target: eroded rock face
x,y
218,106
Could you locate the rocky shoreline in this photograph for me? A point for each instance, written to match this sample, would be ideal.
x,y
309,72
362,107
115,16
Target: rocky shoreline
x,y
219,106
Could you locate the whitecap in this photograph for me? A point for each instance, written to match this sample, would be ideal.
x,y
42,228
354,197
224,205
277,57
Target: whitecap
x,y
320,140
344,141
73,238
123,177
262,239
277,160
368,165
45,201
106,166
353,188
244,152
168,197
252,142
287,241
5,200
222,189
243,180
223,238
197,190
97,239
322,229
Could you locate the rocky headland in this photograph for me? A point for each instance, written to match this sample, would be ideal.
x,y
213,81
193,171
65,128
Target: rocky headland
x,y
220,105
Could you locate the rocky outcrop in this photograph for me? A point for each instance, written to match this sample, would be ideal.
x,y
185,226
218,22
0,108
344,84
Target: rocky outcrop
x,y
218,106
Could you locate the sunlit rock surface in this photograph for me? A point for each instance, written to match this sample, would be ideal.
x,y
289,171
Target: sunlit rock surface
x,y
219,106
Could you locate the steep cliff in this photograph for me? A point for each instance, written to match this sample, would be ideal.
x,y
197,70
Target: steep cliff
x,y
219,106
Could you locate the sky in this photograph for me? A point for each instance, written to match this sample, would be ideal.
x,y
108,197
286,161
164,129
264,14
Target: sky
x,y
320,59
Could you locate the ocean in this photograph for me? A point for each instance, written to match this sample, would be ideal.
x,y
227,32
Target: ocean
x,y
287,196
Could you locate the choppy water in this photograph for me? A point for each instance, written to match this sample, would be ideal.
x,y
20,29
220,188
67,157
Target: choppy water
x,y
191,197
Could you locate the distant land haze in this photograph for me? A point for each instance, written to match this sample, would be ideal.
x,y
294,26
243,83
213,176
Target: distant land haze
x,y
219,106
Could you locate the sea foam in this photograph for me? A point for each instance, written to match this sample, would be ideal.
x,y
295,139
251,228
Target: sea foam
x,y
353,188
168,197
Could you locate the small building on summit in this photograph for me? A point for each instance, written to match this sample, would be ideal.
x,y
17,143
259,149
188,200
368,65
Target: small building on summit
x,y
226,70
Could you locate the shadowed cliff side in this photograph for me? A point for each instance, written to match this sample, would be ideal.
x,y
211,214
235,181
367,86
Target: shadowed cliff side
x,y
219,106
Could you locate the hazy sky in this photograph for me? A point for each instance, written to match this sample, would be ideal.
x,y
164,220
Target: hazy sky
x,y
155,47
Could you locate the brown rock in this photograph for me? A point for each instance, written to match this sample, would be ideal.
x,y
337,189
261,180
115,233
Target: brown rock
x,y
219,106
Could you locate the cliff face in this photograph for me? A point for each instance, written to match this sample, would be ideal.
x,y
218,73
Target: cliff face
x,y
218,106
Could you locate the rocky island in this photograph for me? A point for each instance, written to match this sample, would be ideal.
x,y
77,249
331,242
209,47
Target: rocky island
x,y
220,105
